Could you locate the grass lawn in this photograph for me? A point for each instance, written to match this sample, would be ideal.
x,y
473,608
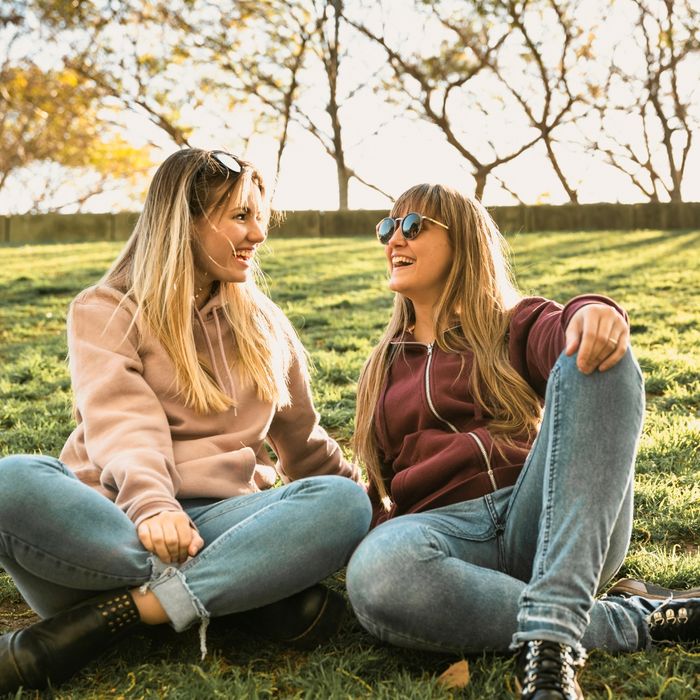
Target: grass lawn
x,y
334,292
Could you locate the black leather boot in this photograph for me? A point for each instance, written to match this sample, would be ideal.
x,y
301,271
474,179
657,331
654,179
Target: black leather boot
x,y
547,671
55,648
304,620
676,621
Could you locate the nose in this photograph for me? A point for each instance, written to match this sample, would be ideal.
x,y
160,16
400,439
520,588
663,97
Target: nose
x,y
257,233
397,236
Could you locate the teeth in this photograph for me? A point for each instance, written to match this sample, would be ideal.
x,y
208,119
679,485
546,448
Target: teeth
x,y
245,254
398,259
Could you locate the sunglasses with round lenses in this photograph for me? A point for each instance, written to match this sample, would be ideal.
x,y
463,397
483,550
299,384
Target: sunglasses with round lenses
x,y
411,226
227,161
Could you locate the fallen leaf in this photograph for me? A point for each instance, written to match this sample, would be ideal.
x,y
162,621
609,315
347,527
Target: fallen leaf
x,y
456,676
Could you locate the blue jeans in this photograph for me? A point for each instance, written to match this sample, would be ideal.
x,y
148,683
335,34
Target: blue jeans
x,y
524,562
61,541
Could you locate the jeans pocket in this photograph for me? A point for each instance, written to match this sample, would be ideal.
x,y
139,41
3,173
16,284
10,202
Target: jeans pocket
x,y
467,520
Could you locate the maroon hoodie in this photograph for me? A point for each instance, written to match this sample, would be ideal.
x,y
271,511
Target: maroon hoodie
x,y
434,441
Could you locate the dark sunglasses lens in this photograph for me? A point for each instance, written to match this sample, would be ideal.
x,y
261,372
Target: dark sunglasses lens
x,y
385,230
228,161
410,226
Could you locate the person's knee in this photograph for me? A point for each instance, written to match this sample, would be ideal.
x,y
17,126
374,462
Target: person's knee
x,y
365,578
19,473
376,574
347,503
623,380
12,466
14,470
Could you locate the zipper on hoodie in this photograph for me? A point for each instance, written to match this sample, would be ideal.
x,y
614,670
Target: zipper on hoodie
x,y
473,435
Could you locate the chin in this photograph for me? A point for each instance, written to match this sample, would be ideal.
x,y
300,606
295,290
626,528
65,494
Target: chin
x,y
241,275
397,286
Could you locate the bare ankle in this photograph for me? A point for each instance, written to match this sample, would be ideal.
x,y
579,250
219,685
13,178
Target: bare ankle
x,y
149,607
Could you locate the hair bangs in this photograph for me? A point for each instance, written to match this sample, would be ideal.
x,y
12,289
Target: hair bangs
x,y
426,199
234,194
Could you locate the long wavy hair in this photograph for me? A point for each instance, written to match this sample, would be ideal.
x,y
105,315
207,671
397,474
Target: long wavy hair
x,y
472,313
156,270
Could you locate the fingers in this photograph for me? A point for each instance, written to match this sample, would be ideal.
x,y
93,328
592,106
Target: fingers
x,y
601,336
573,334
619,349
144,533
196,543
170,536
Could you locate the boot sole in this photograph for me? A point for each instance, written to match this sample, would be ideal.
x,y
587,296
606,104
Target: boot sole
x,y
630,587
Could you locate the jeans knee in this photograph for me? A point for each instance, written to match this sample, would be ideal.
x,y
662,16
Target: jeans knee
x,y
373,578
14,470
361,579
622,383
16,477
347,504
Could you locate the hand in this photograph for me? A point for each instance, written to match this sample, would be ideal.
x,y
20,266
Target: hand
x,y
601,336
264,476
170,536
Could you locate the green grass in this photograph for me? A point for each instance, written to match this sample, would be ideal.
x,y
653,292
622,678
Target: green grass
x,y
334,292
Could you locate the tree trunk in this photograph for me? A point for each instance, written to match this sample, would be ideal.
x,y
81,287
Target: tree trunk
x,y
343,184
480,177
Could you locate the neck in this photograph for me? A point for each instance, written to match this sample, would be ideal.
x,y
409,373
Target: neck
x,y
424,328
203,291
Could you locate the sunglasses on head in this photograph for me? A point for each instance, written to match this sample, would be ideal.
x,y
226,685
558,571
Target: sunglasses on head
x,y
411,226
227,162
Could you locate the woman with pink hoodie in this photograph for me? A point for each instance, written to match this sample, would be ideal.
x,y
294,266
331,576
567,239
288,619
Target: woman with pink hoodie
x,y
158,509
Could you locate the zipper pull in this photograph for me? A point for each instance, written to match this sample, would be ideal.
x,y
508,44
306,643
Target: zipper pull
x,y
430,348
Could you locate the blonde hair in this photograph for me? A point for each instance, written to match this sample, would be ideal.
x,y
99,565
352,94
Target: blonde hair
x,y
472,313
156,270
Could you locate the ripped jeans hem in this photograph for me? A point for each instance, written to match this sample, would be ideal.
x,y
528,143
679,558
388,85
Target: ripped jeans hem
x,y
181,605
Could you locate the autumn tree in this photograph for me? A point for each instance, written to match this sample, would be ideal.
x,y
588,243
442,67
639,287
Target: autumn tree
x,y
129,54
52,115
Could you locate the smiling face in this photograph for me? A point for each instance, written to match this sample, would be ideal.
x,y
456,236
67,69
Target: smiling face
x,y
226,240
419,268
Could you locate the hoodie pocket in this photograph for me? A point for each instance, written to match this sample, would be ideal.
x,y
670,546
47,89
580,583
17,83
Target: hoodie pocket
x,y
221,475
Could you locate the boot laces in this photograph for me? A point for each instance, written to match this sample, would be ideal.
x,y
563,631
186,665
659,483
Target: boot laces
x,y
551,666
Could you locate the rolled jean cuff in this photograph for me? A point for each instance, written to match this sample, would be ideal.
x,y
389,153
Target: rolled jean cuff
x,y
537,622
181,605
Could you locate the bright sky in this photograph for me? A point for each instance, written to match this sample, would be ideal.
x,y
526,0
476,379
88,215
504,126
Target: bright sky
x,y
404,152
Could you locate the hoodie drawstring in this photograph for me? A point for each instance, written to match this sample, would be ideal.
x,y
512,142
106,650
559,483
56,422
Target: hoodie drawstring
x,y
231,384
222,355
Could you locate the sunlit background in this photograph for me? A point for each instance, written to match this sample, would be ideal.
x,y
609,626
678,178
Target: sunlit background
x,y
612,85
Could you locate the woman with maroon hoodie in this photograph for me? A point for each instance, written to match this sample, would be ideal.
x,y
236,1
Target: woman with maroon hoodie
x,y
497,521
159,509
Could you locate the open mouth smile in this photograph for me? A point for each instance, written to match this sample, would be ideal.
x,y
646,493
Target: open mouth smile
x,y
401,261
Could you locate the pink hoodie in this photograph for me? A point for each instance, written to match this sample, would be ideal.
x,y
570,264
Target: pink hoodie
x,y
140,446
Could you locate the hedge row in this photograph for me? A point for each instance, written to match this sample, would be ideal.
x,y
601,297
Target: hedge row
x,y
50,228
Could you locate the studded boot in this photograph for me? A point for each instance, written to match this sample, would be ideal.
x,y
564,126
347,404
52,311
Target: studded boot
x,y
674,615
676,621
55,648
547,671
